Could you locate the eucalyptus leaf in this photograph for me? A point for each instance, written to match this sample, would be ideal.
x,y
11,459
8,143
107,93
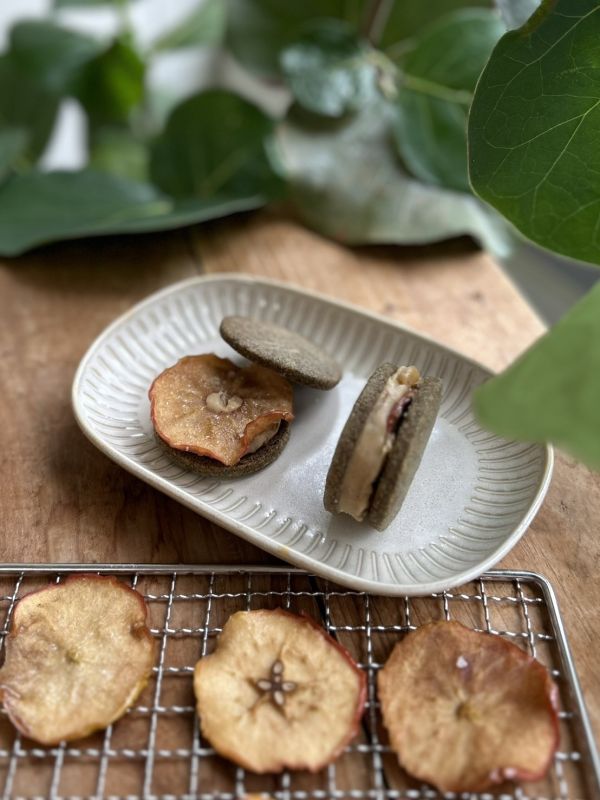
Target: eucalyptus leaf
x,y
214,143
533,128
552,392
259,30
116,151
111,85
516,12
49,54
26,105
13,145
408,18
347,182
330,70
36,208
438,80
204,25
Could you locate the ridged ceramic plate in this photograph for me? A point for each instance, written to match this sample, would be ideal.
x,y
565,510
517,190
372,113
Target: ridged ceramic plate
x,y
472,498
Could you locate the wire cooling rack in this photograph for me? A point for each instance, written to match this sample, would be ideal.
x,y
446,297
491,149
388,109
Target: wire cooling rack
x,y
155,751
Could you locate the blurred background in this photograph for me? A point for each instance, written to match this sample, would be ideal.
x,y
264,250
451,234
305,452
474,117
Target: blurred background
x,y
186,46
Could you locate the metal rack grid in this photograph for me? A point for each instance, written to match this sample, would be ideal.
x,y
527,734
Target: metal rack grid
x,y
155,751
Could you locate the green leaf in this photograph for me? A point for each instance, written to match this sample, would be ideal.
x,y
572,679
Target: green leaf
x,y
439,77
111,85
26,105
13,144
452,52
409,17
330,70
116,151
49,55
347,183
552,392
214,142
259,30
205,25
516,12
36,208
533,128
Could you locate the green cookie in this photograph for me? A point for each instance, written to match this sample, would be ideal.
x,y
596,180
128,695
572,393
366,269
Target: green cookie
x,y
248,464
286,352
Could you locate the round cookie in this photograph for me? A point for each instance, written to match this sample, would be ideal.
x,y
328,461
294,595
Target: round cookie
x,y
405,456
284,351
249,464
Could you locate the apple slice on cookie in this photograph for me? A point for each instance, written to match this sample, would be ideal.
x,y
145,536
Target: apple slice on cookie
x,y
278,692
219,419
467,710
78,654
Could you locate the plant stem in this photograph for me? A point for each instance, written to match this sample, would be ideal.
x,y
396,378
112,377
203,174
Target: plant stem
x,y
125,27
375,18
422,85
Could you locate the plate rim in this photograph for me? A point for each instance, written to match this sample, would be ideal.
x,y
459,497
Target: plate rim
x,y
249,534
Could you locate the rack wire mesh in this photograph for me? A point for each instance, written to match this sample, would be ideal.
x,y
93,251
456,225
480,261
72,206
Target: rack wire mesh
x,y
156,752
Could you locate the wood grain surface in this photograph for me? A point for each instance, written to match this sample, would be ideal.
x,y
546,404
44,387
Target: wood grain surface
x,y
61,500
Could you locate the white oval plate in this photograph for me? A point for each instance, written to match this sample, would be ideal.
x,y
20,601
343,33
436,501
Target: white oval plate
x,y
471,500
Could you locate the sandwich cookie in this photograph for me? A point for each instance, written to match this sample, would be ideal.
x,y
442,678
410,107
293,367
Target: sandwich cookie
x,y
285,352
219,419
382,444
247,465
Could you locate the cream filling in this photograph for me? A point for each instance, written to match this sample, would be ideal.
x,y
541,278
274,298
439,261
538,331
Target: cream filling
x,y
263,438
373,445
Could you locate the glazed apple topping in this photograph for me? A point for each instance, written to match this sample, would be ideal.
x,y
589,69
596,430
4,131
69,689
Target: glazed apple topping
x,y
77,656
467,710
278,692
209,406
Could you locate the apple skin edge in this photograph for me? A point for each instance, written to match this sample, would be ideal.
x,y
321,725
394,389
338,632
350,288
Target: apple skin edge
x,y
266,418
238,759
500,774
515,774
362,677
88,576
7,697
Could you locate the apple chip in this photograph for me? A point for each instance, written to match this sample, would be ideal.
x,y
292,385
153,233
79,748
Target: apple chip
x,y
278,692
77,656
209,406
466,710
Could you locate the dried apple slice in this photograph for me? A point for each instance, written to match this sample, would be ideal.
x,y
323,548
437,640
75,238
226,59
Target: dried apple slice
x,y
466,710
278,692
209,406
78,654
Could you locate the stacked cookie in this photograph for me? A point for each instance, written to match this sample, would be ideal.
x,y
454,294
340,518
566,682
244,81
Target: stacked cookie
x,y
229,421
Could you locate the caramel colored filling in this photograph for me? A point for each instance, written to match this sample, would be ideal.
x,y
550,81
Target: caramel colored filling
x,y
375,442
263,438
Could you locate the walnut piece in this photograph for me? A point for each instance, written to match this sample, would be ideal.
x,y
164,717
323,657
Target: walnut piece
x,y
408,375
220,402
